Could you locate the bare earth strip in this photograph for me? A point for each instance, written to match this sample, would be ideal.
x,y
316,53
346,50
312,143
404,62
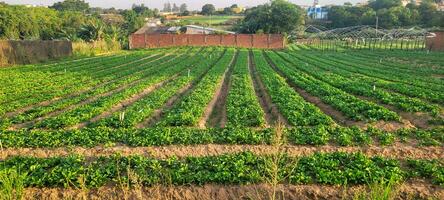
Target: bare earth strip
x,y
218,117
87,101
125,103
69,86
272,114
409,190
48,102
399,151
158,113
217,104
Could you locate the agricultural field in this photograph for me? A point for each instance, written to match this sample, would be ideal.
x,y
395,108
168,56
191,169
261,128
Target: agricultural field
x,y
210,20
213,122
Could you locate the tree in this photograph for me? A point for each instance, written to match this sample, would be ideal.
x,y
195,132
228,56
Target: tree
x,y
234,6
71,5
183,8
167,7
175,8
381,4
429,14
228,11
208,9
132,21
279,16
143,10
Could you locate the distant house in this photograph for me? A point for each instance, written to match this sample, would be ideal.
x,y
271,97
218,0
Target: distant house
x,y
158,30
193,29
189,29
153,22
112,18
317,12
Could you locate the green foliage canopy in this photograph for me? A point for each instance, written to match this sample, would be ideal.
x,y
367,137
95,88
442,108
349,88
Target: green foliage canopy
x,y
279,16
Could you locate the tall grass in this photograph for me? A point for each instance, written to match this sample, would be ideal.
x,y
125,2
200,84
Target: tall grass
x,y
11,184
95,48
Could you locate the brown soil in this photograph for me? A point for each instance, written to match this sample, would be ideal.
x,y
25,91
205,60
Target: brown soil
x,y
158,114
338,116
398,151
48,102
125,103
216,112
87,101
438,76
409,190
272,114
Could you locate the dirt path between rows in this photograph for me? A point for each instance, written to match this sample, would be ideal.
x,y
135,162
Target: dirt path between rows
x,y
48,102
70,85
272,114
159,113
399,151
216,112
84,102
410,190
127,102
338,116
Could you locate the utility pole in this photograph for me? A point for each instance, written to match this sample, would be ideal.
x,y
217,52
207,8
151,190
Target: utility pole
x,y
377,24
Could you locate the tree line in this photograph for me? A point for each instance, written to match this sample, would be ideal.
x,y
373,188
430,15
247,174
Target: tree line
x,y
388,14
72,20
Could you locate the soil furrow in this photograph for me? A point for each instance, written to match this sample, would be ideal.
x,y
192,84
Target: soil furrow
x,y
399,151
87,101
410,190
338,116
272,114
48,102
216,111
125,103
70,85
158,113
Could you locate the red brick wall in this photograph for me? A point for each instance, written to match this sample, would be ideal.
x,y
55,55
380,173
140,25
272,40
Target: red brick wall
x,y
152,41
260,41
196,40
229,40
436,43
213,40
244,40
276,41
182,40
166,40
137,41
241,40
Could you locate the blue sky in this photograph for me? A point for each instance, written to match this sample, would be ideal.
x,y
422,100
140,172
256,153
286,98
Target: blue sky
x,y
193,4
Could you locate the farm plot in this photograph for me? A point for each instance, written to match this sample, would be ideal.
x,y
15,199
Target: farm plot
x,y
153,124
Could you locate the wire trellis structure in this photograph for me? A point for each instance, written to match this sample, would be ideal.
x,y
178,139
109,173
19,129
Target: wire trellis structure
x,y
364,37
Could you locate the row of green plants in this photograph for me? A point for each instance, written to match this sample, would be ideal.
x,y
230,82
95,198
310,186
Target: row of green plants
x,y
146,107
351,106
412,66
356,86
399,87
124,77
293,107
389,73
243,108
58,75
49,88
241,168
88,111
159,136
422,59
422,73
190,109
129,76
